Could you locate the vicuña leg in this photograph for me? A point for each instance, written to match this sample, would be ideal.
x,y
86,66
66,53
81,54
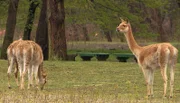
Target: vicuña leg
x,y
152,81
171,80
23,77
35,69
30,77
149,78
21,73
10,63
16,74
164,76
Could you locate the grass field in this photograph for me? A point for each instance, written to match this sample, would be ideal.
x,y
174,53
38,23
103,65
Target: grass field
x,y
89,82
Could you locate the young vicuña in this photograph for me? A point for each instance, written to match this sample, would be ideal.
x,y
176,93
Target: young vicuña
x,y
151,57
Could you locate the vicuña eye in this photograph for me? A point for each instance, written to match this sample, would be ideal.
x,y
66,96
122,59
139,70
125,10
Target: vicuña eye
x,y
124,25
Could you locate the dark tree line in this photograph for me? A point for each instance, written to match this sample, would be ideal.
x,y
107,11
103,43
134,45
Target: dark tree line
x,y
58,39
10,26
154,19
29,23
147,17
57,22
42,30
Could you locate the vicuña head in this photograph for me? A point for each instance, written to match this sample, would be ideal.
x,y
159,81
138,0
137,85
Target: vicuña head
x,y
151,57
42,76
124,26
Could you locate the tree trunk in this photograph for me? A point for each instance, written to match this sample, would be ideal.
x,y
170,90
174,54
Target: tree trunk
x,y
10,27
58,38
167,33
85,32
76,36
108,36
30,19
42,30
178,2
160,23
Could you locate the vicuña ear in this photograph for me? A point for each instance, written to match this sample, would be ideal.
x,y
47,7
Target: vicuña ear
x,y
126,20
123,20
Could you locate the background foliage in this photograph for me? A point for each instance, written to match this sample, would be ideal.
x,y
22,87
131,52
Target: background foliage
x,y
104,15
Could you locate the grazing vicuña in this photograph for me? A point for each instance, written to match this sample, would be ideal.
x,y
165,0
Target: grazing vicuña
x,y
28,57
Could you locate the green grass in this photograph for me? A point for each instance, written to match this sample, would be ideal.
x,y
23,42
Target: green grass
x,y
89,82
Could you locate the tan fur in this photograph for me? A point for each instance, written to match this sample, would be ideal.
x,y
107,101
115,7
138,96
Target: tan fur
x,y
152,57
28,57
12,60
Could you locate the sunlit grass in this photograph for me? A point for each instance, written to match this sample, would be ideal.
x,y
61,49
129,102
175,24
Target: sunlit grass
x,y
89,82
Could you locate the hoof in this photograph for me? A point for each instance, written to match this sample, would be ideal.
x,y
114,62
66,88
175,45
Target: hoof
x,y
21,88
30,86
42,88
150,96
9,87
164,97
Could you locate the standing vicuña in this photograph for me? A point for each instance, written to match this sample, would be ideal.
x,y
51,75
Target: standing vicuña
x,y
151,57
27,55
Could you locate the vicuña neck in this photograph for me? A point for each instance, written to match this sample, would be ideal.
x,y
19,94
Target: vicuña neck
x,y
134,47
